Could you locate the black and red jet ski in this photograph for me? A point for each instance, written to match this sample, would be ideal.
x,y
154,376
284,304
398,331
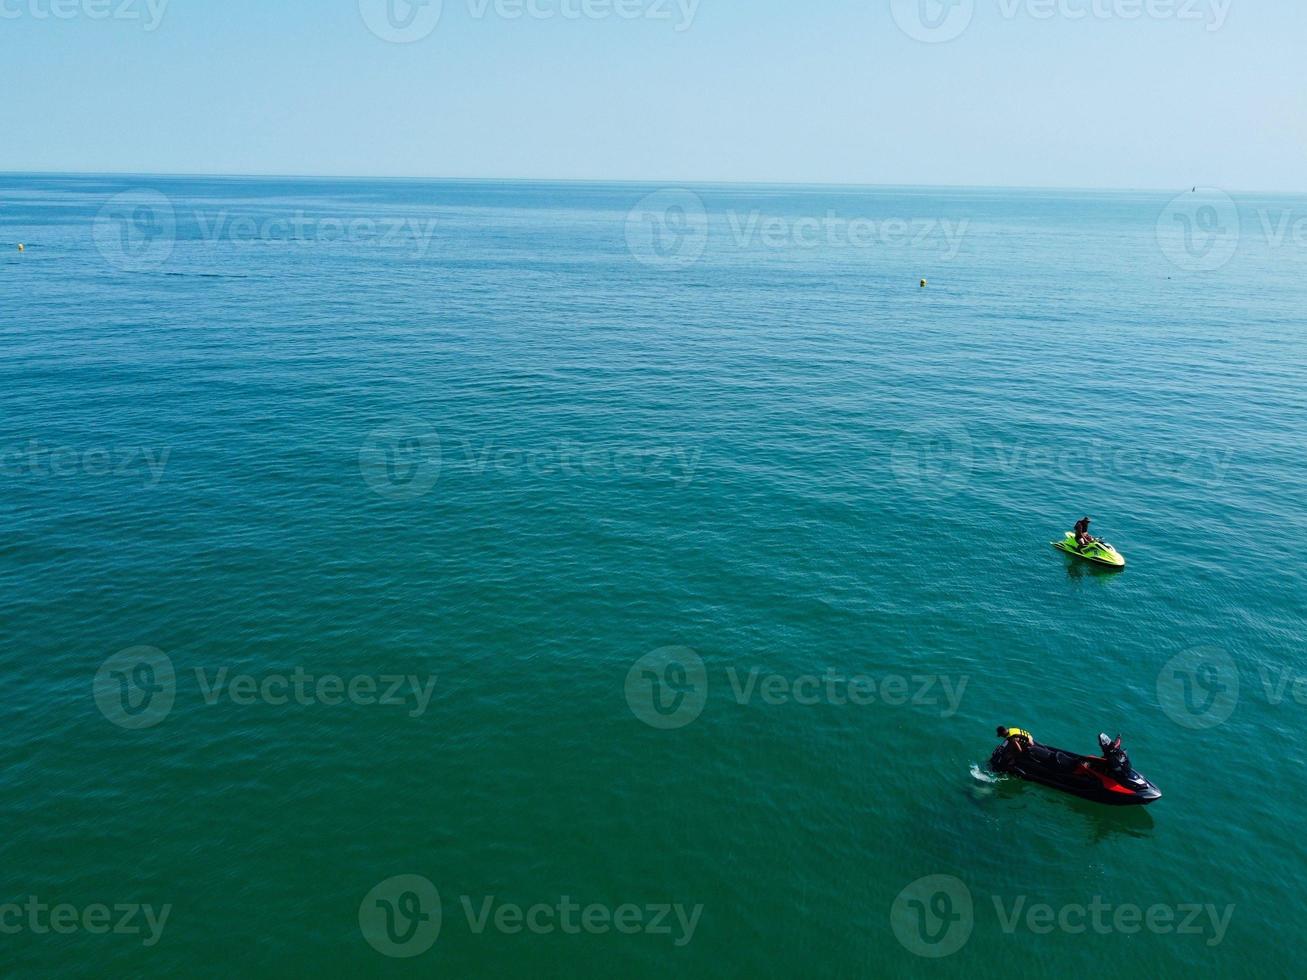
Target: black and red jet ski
x,y
1108,780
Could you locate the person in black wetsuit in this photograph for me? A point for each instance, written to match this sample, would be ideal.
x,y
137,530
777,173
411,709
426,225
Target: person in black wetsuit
x,y
1083,538
1114,758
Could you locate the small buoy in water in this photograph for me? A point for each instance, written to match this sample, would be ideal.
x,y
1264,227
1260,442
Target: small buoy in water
x,y
923,284
22,248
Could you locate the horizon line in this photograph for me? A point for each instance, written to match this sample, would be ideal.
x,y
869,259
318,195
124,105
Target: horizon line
x,y
655,181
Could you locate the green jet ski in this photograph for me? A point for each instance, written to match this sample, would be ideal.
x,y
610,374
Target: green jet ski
x,y
1099,552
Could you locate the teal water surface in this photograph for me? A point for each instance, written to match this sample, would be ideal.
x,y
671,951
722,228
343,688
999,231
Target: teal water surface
x,y
270,443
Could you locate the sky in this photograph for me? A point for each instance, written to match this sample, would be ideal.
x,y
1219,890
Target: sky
x,y
1067,93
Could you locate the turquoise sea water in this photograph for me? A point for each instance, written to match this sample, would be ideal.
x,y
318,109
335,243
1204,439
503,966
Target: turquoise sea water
x,y
509,442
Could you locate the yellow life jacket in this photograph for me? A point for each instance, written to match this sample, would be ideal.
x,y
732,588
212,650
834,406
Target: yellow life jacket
x,y
1020,733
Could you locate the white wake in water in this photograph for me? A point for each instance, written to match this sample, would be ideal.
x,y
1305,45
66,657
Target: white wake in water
x,y
981,776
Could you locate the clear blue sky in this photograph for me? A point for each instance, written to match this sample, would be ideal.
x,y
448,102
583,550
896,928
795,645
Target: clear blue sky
x,y
770,90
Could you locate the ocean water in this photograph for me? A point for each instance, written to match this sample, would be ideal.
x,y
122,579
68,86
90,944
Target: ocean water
x,y
706,548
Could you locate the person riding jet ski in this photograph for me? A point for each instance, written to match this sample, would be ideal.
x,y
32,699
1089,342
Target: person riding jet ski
x,y
1015,739
1106,779
1115,760
1083,537
1084,545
